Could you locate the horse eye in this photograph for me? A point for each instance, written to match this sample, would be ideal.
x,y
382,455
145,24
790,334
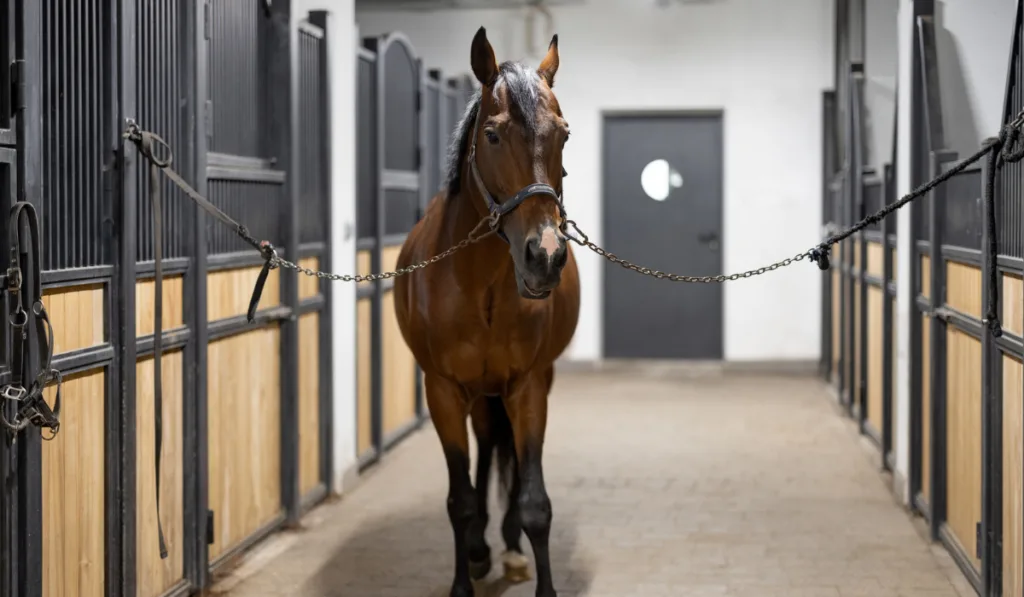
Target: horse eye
x,y
566,140
492,137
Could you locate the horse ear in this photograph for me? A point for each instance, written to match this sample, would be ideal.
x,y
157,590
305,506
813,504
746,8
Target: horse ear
x,y
485,66
549,66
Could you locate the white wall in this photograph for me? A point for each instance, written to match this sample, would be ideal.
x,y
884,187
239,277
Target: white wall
x,y
342,41
765,63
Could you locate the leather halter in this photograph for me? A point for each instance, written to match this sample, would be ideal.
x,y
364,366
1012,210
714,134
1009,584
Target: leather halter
x,y
499,210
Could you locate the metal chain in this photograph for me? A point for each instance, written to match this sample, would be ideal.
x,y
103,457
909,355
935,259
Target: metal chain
x,y
582,240
475,236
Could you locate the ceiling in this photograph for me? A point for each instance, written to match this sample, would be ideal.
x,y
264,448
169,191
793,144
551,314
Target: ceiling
x,y
391,5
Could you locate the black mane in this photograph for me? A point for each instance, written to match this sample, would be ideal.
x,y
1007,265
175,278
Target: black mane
x,y
522,87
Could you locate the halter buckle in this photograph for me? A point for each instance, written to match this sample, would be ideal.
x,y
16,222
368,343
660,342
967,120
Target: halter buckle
x,y
16,393
14,279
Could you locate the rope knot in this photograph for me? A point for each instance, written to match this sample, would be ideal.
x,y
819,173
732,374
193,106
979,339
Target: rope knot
x,y
819,255
269,253
1009,146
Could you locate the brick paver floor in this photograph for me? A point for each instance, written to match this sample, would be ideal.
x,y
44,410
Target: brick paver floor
x,y
662,484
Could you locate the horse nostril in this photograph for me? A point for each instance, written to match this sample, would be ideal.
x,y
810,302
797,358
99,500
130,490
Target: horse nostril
x,y
561,255
534,255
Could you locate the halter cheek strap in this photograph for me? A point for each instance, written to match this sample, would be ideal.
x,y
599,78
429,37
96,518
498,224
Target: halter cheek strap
x,y
499,210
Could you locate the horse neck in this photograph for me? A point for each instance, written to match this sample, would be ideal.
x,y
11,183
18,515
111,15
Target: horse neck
x,y
482,264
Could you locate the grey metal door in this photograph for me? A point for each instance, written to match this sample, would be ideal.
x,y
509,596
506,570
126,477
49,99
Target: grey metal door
x,y
663,209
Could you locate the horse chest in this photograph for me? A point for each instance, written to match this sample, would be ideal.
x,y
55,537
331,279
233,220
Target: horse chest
x,y
490,351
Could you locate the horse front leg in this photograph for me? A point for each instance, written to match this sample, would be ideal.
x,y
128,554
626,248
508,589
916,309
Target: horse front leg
x,y
448,409
479,551
527,406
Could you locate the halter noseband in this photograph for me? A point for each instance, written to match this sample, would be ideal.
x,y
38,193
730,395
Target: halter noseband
x,y
499,210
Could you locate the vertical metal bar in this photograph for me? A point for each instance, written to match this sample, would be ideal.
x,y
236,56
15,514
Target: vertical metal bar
x,y
857,180
990,495
28,47
937,369
319,18
283,140
827,170
380,47
190,131
198,564
887,323
125,250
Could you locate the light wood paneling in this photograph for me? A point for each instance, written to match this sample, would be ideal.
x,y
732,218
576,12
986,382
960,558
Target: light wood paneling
x,y
389,257
363,266
73,492
399,375
1013,304
309,286
875,259
173,314
963,288
1013,478
364,358
855,247
926,408
876,343
77,315
893,352
837,318
963,437
895,264
857,339
244,434
309,402
926,276
155,576
229,291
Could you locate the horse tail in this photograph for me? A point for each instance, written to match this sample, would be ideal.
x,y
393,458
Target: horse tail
x,y
504,443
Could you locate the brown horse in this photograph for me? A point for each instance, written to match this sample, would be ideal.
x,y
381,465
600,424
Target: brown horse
x,y
487,324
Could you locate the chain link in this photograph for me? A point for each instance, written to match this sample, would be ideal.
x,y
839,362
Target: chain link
x,y
584,241
489,222
579,237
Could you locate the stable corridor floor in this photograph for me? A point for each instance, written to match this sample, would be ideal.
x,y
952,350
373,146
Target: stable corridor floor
x,y
662,484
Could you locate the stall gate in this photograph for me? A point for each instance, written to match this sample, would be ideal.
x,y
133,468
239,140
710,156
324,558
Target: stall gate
x,y
966,418
245,407
405,115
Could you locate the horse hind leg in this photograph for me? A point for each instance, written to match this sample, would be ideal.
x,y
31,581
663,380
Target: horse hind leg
x,y
478,549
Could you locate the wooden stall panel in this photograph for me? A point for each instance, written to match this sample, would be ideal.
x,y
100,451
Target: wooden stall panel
x,y
156,576
229,291
399,387
173,314
926,276
926,409
244,391
363,266
963,288
309,286
1013,478
389,257
876,341
894,351
77,315
857,339
72,483
1013,304
894,262
856,253
364,360
876,257
963,438
309,402
837,318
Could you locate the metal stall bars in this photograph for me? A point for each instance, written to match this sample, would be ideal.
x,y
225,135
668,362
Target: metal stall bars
x,y
315,316
396,192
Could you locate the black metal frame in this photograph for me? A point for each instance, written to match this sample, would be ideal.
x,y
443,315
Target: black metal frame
x,y
123,50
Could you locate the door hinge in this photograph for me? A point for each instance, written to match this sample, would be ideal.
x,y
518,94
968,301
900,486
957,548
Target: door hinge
x,y
206,20
17,86
208,119
977,540
209,527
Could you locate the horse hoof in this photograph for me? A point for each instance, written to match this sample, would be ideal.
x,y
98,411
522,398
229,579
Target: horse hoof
x,y
479,570
517,567
461,591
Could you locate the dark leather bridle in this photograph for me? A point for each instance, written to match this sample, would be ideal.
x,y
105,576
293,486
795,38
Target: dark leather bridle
x,y
499,210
